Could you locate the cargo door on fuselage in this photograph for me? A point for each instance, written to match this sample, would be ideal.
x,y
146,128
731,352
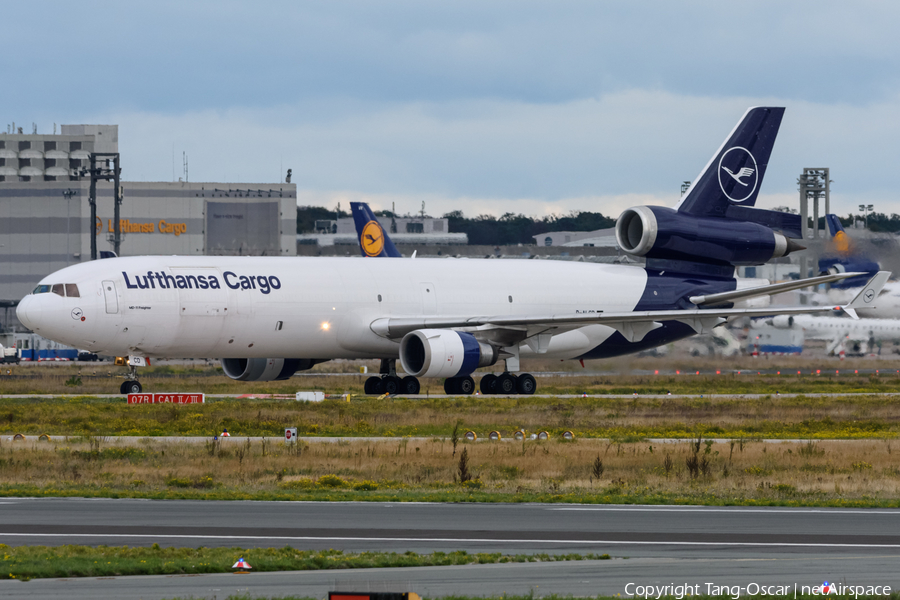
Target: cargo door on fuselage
x,y
202,303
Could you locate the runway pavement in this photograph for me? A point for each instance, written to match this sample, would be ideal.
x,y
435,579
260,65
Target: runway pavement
x,y
668,531
650,544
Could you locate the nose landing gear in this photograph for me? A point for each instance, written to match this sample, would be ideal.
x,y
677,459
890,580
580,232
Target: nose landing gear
x,y
131,385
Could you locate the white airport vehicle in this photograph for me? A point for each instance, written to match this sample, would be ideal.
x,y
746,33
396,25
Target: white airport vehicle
x,y
269,317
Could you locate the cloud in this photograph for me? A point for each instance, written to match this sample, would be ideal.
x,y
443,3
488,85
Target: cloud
x,y
506,103
631,144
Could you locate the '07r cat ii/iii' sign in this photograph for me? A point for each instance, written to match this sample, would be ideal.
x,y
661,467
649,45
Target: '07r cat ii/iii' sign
x,y
165,398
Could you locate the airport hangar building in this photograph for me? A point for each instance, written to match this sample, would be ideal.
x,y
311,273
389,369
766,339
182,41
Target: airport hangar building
x,y
45,212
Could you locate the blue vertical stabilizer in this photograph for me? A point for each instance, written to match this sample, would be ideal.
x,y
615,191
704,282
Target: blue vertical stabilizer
x,y
373,239
734,174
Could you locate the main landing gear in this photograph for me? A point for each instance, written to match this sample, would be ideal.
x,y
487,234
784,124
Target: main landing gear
x,y
389,382
508,383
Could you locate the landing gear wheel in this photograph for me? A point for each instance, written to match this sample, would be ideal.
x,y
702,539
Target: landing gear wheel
x,y
391,384
371,385
378,386
131,387
409,385
525,384
465,385
451,386
506,384
488,384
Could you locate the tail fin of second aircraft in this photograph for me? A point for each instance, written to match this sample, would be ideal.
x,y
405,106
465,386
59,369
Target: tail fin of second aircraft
x,y
734,174
373,239
845,259
838,235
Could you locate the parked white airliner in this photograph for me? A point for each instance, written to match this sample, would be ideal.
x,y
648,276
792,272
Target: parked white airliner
x,y
856,336
267,318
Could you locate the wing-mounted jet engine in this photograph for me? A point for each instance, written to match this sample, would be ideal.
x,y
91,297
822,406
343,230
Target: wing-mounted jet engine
x,y
265,369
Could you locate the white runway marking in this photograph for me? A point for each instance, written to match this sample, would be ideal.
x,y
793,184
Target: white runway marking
x,y
452,540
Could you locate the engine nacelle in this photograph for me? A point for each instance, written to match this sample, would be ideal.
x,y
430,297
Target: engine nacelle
x,y
782,321
444,353
660,232
265,369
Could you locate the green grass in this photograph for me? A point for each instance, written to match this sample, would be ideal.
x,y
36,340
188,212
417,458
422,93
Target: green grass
x,y
840,417
32,562
612,494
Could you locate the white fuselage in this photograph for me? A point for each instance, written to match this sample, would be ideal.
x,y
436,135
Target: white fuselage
x,y
264,307
836,328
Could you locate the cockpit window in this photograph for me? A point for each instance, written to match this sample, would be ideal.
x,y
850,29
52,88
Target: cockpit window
x,y
60,289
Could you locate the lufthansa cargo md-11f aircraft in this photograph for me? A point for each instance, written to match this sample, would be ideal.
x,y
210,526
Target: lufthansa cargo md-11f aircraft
x,y
267,318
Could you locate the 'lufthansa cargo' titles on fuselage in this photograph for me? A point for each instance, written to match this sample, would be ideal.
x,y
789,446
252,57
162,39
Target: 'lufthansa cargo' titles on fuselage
x,y
165,281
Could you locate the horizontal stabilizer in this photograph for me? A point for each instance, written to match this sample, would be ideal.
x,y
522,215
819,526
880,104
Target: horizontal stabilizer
x,y
787,223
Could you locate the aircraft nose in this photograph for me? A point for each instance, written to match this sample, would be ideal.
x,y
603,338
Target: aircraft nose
x,y
28,312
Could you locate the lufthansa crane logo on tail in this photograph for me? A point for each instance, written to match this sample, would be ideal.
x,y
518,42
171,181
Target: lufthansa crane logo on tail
x,y
738,174
372,239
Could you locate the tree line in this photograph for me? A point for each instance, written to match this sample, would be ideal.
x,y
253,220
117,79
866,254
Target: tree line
x,y
486,230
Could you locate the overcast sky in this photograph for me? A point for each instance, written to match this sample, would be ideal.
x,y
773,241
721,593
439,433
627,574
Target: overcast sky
x,y
485,107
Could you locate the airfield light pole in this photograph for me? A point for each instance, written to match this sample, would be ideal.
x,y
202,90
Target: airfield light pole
x,y
106,173
814,183
866,209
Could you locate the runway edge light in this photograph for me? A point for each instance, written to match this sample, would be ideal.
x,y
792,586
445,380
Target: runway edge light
x,y
241,566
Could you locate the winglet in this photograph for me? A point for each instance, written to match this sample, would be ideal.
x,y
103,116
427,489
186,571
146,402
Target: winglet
x,y
373,239
868,294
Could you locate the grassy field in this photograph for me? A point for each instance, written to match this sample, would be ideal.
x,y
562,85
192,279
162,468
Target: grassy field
x,y
810,473
631,417
611,459
32,562
625,376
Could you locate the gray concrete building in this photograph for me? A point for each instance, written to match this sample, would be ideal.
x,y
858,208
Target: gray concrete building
x,y
427,231
45,213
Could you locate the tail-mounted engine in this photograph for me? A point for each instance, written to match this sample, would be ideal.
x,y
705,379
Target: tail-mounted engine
x,y
265,369
657,232
444,353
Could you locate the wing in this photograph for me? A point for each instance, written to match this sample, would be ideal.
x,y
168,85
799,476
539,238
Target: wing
x,y
632,325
